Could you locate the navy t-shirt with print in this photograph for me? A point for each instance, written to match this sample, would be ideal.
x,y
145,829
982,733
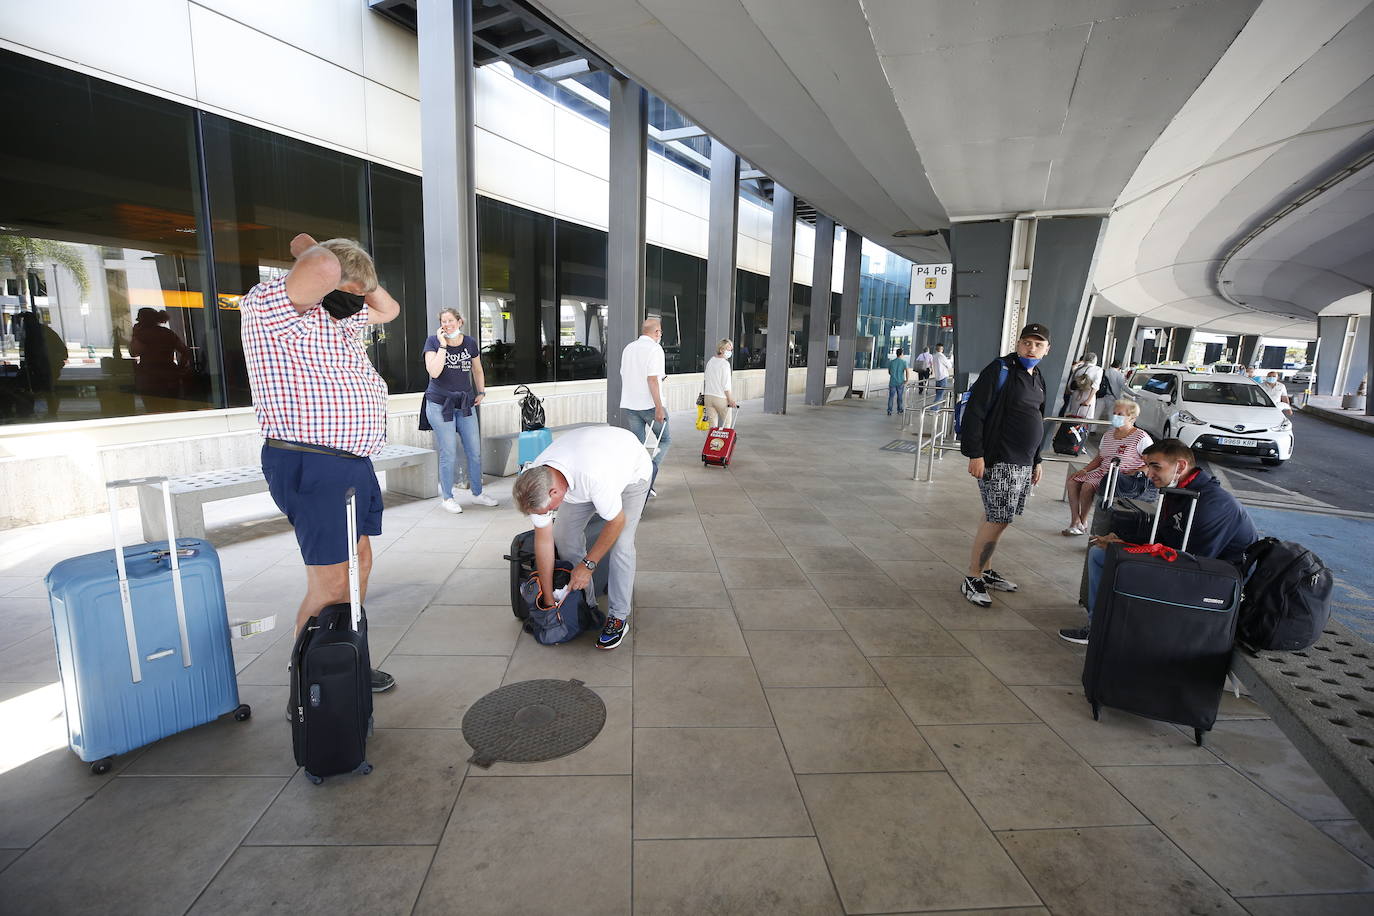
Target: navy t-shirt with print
x,y
457,373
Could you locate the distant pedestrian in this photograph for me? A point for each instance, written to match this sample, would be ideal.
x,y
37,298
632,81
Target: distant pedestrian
x,y
898,374
1084,385
1113,384
922,365
642,376
1002,429
941,368
1277,391
716,385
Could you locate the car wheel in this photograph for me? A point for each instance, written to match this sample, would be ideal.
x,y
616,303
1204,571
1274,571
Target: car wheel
x,y
1271,462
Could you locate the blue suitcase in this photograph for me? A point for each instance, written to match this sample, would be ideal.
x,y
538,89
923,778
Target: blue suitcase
x,y
532,442
142,639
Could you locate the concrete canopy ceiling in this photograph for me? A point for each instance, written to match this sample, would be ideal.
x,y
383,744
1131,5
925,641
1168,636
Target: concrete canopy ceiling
x,y
1254,211
902,114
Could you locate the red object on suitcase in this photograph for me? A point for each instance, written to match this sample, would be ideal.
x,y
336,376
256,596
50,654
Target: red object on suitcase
x,y
719,445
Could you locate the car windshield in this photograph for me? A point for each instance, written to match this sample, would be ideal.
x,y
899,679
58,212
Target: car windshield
x,y
1231,394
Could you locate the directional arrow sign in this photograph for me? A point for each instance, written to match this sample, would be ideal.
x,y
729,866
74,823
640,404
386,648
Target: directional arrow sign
x,y
930,283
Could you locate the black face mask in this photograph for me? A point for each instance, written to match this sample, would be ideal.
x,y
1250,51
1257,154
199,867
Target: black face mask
x,y
341,304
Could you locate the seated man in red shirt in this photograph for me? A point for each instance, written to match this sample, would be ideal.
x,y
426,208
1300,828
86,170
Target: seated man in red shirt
x,y
321,407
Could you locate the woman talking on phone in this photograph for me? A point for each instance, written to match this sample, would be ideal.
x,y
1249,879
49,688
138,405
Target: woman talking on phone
x,y
456,388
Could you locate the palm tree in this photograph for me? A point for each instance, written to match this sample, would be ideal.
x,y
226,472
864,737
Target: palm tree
x,y
25,253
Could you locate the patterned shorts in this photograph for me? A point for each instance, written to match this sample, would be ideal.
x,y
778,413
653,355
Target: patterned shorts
x,y
1004,488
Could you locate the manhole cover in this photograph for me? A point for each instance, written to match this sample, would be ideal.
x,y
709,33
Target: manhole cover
x,y
901,445
532,721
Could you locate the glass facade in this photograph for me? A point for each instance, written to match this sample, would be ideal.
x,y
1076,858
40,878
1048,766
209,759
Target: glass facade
x,y
131,226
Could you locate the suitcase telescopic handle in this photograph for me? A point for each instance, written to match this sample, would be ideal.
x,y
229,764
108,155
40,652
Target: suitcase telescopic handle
x,y
1191,496
354,592
112,489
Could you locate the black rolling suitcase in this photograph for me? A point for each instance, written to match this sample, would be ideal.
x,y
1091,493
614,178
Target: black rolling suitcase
x,y
331,681
1162,630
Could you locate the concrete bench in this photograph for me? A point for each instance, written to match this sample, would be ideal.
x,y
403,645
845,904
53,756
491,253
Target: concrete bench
x,y
1322,698
501,454
410,471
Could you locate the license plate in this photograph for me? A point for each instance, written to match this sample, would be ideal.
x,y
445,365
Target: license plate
x,y
1243,443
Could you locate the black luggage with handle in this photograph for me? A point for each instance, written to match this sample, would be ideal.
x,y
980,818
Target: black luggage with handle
x,y
331,681
1162,631
1069,439
521,559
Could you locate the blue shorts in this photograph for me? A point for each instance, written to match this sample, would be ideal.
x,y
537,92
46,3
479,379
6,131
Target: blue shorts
x,y
310,488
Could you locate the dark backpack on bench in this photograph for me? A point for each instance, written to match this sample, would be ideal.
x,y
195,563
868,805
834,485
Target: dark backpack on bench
x,y
1287,598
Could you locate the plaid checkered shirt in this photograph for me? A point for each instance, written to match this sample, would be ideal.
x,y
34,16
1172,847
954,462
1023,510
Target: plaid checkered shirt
x,y
310,375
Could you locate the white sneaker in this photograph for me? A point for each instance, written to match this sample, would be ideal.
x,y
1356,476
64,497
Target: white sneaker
x,y
483,499
451,505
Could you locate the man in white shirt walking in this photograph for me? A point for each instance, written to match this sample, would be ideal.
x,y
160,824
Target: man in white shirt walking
x,y
642,374
941,368
922,366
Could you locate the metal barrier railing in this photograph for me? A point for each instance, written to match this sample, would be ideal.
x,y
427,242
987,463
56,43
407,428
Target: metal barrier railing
x,y
937,446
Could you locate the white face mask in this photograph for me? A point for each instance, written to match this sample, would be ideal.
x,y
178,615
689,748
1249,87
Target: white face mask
x,y
455,335
1271,381
727,354
1118,421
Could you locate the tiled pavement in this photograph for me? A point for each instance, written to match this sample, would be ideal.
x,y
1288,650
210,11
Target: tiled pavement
x,y
807,718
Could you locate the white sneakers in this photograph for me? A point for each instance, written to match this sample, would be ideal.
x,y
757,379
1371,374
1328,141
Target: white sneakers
x,y
482,499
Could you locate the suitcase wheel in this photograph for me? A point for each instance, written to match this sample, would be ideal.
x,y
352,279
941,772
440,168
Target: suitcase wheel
x,y
364,768
315,780
725,463
243,712
1096,709
102,766
1197,736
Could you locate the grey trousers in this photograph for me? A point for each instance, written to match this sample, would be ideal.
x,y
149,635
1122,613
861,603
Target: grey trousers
x,y
570,539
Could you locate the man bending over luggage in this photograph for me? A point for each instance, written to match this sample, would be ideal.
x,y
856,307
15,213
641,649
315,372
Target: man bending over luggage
x,y
1222,529
321,407
1001,433
596,469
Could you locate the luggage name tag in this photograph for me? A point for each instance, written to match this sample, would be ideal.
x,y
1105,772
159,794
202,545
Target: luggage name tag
x,y
245,628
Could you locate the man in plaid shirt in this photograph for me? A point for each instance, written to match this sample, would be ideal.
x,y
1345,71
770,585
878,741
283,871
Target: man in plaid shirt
x,y
321,406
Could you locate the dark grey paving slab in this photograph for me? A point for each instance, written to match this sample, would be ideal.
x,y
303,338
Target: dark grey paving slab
x,y
258,746
1249,843
761,572
381,880
1118,738
714,782
901,842
1118,870
461,630
1320,905
898,631
142,845
785,876
1024,657
846,590
847,730
1023,777
579,659
1260,750
782,609
680,589
809,658
687,631
499,822
701,691
404,800
950,691
1352,836
435,691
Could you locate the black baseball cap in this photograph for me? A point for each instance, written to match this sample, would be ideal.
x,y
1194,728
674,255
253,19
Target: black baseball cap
x,y
1035,329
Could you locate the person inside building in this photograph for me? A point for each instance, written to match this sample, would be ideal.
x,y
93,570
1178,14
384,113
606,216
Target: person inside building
x,y
602,470
1222,529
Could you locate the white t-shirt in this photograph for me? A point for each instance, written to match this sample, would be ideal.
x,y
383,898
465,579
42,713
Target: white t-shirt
x,y
941,367
717,380
599,463
923,361
641,359
1277,392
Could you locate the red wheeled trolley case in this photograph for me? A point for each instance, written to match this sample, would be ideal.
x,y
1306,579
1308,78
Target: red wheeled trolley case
x,y
720,443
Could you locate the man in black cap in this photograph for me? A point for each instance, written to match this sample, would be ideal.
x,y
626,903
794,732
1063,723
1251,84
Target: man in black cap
x,y
1002,429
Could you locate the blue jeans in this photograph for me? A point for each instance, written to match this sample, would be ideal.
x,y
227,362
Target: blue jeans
x,y
896,391
1097,559
446,442
636,420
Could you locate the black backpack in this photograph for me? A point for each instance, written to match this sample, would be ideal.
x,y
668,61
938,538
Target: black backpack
x,y
1287,597
531,410
1069,439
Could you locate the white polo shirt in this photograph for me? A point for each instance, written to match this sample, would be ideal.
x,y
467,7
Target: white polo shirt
x,y
641,359
599,463
940,366
716,380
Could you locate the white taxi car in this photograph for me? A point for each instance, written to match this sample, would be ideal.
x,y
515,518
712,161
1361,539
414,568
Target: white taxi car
x,y
1227,414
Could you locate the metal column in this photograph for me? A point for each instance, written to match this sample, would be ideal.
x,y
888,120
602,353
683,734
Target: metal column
x,y
1124,330
448,192
1180,342
779,300
849,309
1097,338
821,271
722,234
625,241
1249,349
